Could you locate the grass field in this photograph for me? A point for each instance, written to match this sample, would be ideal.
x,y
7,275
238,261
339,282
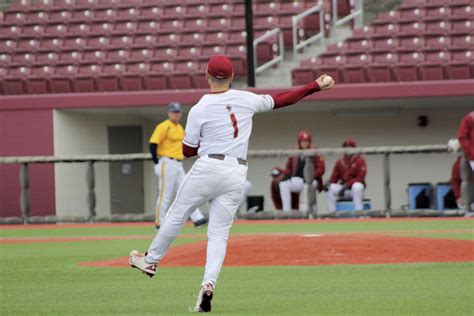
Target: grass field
x,y
41,274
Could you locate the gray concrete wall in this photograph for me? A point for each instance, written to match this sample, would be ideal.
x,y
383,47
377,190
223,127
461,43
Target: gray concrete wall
x,y
86,133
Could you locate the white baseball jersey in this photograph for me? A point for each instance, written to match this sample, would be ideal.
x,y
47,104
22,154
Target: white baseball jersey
x,y
221,123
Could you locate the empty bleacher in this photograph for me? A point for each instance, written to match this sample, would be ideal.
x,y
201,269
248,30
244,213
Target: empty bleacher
x,y
422,40
60,46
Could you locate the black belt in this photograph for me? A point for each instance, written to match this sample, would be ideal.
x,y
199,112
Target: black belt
x,y
222,157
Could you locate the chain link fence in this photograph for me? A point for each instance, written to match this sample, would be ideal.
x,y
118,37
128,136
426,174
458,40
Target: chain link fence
x,y
372,8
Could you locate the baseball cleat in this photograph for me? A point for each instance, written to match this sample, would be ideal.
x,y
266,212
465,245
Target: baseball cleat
x,y
200,222
137,261
203,303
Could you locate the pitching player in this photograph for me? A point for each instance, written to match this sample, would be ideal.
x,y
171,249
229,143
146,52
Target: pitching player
x,y
218,131
347,179
166,148
296,183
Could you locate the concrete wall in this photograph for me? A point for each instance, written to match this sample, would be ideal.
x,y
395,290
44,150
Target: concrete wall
x,y
26,133
279,130
86,133
81,134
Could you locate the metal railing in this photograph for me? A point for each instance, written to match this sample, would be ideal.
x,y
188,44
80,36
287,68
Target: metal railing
x,y
357,15
319,36
386,151
281,49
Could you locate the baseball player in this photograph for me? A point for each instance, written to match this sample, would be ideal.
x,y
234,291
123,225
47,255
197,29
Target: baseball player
x,y
466,139
347,179
166,148
279,175
218,131
296,183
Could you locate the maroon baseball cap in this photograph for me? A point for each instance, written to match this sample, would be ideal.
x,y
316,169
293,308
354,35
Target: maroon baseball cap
x,y
220,67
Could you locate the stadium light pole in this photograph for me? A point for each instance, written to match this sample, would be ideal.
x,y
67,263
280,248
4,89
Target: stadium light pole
x,y
250,54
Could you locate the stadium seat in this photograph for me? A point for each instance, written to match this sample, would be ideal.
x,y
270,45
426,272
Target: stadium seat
x,y
51,43
407,68
157,77
75,43
15,80
353,71
61,79
134,78
461,66
85,80
380,70
108,79
38,80
462,41
433,67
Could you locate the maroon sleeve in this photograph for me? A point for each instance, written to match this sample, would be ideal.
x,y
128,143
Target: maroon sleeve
x,y
319,167
456,179
292,96
361,172
189,151
464,133
335,176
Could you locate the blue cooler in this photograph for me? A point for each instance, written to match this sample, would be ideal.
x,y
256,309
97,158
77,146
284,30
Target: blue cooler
x,y
419,196
445,199
346,205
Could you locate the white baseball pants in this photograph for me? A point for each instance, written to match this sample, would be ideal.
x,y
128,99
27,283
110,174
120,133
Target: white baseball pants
x,y
170,174
219,182
356,193
293,185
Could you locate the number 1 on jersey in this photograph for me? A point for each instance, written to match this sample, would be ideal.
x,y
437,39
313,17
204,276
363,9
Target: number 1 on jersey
x,y
233,119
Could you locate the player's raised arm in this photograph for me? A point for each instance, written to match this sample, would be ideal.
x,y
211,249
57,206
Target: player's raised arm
x,y
290,97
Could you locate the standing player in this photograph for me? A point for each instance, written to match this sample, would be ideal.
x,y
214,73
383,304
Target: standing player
x,y
218,129
466,139
166,148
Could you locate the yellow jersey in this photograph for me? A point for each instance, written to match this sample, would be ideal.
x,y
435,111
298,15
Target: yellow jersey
x,y
169,138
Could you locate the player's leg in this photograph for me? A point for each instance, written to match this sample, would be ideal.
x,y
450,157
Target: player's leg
x,y
292,185
187,200
166,187
196,217
221,214
357,192
332,195
466,173
285,195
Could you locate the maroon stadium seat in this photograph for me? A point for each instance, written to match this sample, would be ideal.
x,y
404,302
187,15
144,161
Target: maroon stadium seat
x,y
74,42
437,12
134,78
85,80
51,43
94,56
15,80
433,67
462,26
118,55
411,14
47,58
436,41
384,44
437,27
5,59
380,70
181,77
145,40
462,41
60,81
70,57
108,79
157,77
38,80
461,66
407,68
353,70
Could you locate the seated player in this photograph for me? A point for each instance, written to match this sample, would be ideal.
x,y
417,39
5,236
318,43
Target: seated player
x,y
296,183
347,179
456,184
279,175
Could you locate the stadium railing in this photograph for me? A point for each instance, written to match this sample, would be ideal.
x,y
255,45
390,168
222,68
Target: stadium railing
x,y
384,151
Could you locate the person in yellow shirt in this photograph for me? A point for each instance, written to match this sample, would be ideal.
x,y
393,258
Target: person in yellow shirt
x,y
166,148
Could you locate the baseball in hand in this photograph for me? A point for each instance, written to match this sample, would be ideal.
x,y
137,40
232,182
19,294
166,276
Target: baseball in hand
x,y
327,80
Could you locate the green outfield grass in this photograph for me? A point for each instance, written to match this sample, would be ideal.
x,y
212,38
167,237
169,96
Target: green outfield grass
x,y
45,278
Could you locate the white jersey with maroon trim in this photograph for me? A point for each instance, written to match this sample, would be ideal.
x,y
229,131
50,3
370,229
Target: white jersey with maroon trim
x,y
221,123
